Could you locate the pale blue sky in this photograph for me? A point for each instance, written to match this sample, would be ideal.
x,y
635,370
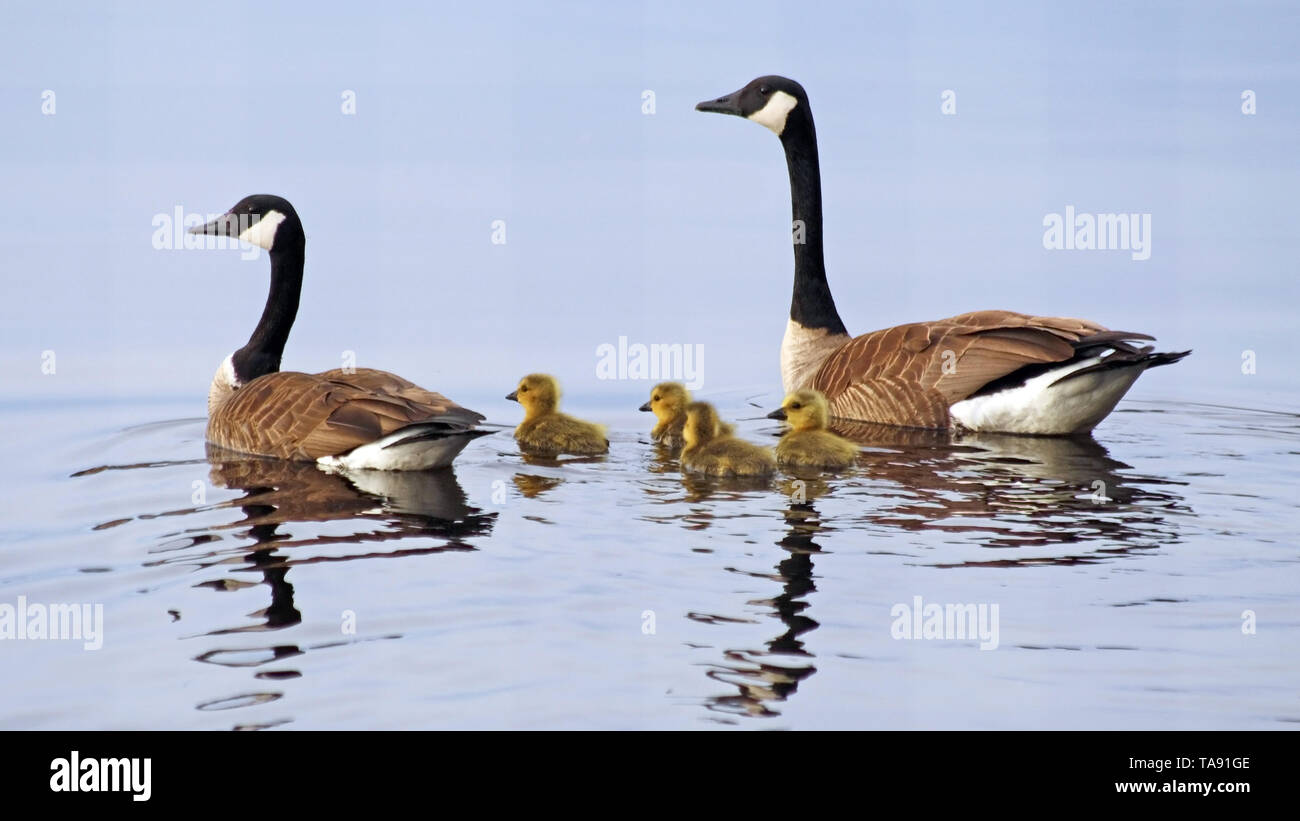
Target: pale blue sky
x,y
664,228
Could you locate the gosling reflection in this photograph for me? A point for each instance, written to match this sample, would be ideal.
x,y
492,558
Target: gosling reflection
x,y
761,683
804,485
700,487
661,458
546,460
531,486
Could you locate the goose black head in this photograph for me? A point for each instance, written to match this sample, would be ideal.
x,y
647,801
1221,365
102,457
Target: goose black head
x,y
771,101
264,220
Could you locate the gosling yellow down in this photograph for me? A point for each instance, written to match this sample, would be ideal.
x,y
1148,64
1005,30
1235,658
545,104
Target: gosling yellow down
x,y
712,451
545,429
668,401
809,443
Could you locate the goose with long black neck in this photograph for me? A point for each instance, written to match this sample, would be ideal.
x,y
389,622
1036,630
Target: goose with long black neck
x,y
996,371
350,418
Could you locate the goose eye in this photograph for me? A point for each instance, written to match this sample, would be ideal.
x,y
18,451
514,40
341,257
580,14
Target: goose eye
x,y
795,406
523,388
655,399
764,90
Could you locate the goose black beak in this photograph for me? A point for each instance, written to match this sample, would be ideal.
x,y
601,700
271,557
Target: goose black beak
x,y
513,396
779,413
645,407
723,105
226,225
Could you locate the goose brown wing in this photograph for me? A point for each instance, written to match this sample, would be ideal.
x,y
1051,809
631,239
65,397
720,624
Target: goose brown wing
x,y
391,384
306,416
911,374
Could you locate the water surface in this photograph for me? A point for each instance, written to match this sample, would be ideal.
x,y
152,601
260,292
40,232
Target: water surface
x,y
612,592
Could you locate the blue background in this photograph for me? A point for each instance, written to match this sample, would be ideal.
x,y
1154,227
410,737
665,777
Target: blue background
x,y
669,228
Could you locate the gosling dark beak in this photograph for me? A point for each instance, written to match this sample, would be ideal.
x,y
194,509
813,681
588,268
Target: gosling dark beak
x,y
723,105
779,413
646,407
513,396
226,225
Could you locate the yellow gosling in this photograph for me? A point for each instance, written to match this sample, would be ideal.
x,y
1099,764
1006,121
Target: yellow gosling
x,y
545,429
668,401
809,443
715,452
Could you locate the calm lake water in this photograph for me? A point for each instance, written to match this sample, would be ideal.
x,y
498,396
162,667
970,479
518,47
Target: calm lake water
x,y
1147,579
612,593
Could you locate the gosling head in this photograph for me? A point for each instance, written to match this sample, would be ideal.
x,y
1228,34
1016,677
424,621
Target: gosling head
x,y
804,410
701,423
264,220
537,392
668,400
777,103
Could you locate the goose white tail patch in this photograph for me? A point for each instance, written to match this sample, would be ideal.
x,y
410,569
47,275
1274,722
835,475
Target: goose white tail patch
x,y
774,114
1040,407
423,454
262,232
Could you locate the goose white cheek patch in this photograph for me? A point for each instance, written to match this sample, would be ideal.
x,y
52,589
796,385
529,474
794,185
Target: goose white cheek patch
x,y
774,114
262,232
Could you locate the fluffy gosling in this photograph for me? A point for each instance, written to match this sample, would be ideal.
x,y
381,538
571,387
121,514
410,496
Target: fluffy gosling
x,y
715,452
668,401
809,443
545,429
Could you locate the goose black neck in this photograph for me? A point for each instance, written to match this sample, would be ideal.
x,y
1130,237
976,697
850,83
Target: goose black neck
x,y
812,305
265,347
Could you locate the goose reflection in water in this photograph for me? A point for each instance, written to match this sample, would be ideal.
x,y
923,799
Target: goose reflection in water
x,y
279,494
281,503
406,504
1019,491
1006,491
760,681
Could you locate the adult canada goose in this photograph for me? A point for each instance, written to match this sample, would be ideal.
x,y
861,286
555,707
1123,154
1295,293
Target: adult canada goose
x,y
808,443
987,371
353,418
712,451
545,429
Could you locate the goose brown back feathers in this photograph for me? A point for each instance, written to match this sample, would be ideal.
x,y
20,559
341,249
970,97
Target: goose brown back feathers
x,y
304,416
910,374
